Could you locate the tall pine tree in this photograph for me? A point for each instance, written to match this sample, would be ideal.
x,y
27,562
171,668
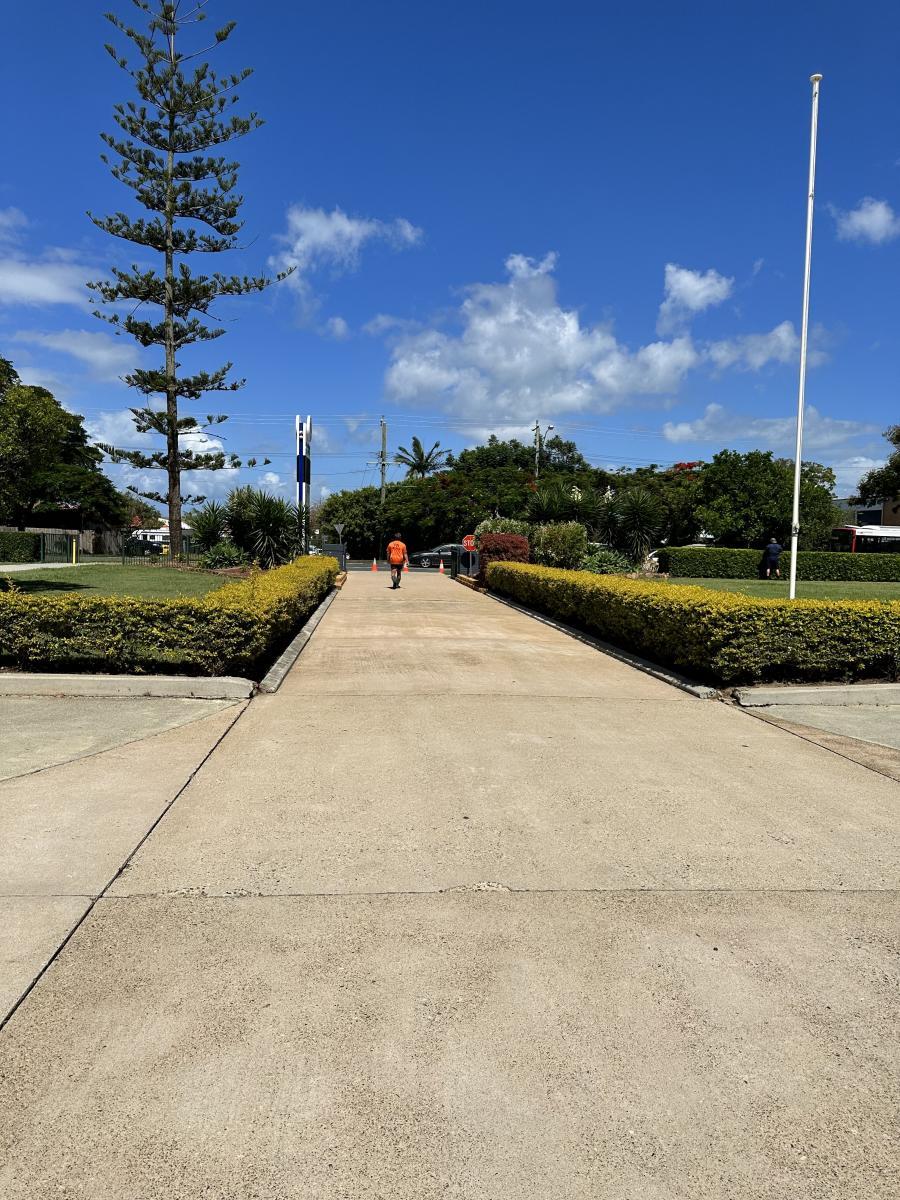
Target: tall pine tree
x,y
163,155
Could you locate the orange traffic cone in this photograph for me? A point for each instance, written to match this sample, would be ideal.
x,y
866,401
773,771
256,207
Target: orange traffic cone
x,y
374,566
441,568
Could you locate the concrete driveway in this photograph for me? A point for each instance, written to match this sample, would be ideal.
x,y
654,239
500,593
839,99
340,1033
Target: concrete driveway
x,y
81,783
469,909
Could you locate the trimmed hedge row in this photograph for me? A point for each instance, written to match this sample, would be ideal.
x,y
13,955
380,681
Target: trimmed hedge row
x,y
723,637
714,562
17,547
227,632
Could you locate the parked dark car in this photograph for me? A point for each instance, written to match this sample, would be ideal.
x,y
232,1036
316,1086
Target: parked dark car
x,y
432,558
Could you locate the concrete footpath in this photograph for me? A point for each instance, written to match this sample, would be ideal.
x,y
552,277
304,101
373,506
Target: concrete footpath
x,y
468,909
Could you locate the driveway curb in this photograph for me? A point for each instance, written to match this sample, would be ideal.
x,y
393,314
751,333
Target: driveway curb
x,y
824,693
176,687
274,677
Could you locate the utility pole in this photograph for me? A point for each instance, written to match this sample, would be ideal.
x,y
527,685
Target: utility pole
x,y
537,447
383,457
815,80
382,463
381,460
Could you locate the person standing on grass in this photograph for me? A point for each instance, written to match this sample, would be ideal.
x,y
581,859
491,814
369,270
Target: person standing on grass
x,y
398,558
771,559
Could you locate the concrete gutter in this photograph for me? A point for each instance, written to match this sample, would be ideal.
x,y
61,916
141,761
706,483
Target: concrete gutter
x,y
179,687
665,674
818,694
275,675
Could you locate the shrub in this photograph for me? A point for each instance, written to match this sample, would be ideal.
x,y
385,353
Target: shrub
x,y
716,562
501,547
230,631
562,545
502,525
720,636
18,547
209,525
601,560
223,554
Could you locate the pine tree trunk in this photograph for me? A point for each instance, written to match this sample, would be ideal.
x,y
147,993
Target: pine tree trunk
x,y
174,493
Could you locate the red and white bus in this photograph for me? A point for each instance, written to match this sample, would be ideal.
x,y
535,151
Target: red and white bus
x,y
858,539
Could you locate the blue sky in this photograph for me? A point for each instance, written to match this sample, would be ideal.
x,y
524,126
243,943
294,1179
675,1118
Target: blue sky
x,y
499,211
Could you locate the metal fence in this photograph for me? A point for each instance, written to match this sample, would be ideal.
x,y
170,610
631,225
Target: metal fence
x,y
140,552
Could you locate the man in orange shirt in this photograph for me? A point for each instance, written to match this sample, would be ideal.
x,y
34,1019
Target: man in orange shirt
x,y
397,557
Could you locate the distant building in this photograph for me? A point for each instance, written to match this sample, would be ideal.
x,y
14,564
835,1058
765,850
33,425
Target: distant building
x,y
882,512
159,537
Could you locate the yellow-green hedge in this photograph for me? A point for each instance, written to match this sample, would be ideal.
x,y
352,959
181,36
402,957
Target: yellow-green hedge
x,y
719,636
227,632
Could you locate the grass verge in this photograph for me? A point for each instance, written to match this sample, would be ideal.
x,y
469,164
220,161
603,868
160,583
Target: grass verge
x,y
150,583
777,589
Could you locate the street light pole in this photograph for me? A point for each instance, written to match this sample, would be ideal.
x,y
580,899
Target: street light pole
x,y
537,447
815,80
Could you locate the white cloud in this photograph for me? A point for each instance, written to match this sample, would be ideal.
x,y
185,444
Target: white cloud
x,y
519,354
214,485
849,471
42,282
872,221
316,239
12,222
688,292
116,428
383,323
337,328
753,351
271,481
108,357
720,426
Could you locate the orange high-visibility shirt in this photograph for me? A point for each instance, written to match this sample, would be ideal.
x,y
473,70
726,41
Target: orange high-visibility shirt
x,y
396,553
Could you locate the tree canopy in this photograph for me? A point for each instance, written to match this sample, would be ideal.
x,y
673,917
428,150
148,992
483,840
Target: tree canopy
x,y
419,461
166,153
744,499
46,461
883,483
741,499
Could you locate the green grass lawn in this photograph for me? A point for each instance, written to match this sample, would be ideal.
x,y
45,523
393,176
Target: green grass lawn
x,y
114,580
814,590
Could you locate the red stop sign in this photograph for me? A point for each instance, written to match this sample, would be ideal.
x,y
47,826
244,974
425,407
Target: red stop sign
x,y
469,542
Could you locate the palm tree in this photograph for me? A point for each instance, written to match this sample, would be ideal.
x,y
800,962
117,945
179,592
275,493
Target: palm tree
x,y
418,462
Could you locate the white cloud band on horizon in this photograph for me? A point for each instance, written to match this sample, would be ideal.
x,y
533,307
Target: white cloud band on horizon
x,y
721,426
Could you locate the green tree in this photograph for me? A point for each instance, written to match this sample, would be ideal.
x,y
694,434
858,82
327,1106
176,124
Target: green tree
x,y
166,154
494,454
883,483
8,374
557,454
675,489
360,512
46,461
744,499
420,462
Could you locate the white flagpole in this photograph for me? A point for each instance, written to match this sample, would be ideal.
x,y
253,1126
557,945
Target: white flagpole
x,y
804,334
